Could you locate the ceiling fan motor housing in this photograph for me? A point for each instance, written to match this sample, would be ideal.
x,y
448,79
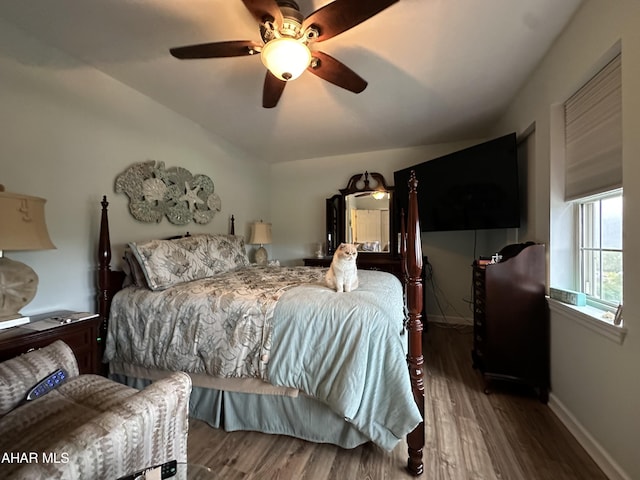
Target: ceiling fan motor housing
x,y
291,19
290,9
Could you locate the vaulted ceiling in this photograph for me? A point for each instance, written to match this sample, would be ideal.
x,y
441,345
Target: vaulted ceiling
x,y
437,70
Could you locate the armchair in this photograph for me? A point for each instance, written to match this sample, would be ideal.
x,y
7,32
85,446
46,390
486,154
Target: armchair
x,y
90,426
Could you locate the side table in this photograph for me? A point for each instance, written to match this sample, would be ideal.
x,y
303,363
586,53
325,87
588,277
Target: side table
x,y
80,335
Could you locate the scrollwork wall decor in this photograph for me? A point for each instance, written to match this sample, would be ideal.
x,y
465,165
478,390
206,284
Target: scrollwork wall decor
x,y
155,191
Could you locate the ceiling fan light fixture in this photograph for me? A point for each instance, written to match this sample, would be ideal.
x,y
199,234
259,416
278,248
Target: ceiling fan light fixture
x,y
286,57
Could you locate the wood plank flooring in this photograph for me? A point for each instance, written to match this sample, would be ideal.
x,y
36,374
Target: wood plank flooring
x,y
507,435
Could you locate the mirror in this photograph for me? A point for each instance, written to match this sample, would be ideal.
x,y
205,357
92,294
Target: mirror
x,y
362,214
367,221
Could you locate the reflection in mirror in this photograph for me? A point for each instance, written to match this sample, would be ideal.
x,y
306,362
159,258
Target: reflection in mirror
x,y
361,215
367,220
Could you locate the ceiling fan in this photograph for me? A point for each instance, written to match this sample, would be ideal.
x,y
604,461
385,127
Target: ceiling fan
x,y
286,39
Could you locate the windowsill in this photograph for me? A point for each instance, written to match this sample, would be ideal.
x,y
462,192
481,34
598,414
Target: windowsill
x,y
591,318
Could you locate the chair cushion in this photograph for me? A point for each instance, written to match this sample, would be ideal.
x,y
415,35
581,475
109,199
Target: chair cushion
x,y
18,375
60,411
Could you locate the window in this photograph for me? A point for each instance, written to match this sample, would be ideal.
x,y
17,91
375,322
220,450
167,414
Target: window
x,y
593,182
600,249
585,249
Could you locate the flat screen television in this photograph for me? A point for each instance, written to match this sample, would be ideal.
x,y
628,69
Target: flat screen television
x,y
473,189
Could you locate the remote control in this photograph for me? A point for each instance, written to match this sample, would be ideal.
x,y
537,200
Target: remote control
x,y
50,382
166,470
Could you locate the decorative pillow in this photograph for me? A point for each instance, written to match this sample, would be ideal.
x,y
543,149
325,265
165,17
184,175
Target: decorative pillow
x,y
229,250
169,262
134,272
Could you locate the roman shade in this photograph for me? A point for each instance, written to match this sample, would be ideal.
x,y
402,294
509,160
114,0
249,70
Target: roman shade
x,y
593,135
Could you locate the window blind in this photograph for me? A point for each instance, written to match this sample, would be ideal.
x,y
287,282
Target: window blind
x,y
593,135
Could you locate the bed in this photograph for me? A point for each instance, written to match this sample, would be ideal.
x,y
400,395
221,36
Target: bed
x,y
256,339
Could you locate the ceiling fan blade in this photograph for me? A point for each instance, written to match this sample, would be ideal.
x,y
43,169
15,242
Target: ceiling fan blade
x,y
273,88
341,15
233,48
264,9
336,72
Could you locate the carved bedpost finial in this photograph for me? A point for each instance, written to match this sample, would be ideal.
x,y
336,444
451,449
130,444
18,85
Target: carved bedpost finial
x,y
413,182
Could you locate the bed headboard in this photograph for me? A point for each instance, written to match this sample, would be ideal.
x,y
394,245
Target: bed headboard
x,y
109,282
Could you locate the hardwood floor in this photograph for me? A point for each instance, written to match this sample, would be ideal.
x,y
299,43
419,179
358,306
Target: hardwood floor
x,y
506,435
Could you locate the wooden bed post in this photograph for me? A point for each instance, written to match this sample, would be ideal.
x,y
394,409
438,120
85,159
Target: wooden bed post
x,y
415,359
104,269
108,282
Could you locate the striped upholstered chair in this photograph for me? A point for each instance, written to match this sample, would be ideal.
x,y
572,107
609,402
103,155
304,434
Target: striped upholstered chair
x,y
89,427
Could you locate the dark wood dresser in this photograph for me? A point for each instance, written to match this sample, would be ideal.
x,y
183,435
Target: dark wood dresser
x,y
384,263
370,261
511,318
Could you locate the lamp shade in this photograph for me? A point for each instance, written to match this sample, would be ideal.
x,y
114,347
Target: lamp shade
x,y
260,233
22,224
22,227
286,57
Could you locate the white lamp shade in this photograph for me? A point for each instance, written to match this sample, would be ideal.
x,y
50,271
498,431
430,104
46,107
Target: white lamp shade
x,y
260,233
286,57
22,224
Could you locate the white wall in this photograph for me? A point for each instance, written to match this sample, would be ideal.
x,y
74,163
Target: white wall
x,y
298,194
594,380
68,131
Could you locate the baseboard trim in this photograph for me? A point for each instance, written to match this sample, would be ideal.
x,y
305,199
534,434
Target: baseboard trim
x,y
611,469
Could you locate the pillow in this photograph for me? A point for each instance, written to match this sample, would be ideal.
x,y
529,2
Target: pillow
x,y
169,262
133,271
229,250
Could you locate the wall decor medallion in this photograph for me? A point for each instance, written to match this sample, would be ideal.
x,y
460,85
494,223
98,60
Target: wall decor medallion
x,y
155,191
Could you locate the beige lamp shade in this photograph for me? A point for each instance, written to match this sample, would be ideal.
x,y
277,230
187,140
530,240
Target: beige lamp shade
x,y
22,224
260,233
22,227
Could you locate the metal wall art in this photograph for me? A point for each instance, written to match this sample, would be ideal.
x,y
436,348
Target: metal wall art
x,y
155,191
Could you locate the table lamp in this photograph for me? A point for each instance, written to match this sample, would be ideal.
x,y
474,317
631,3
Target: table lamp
x,y
261,235
22,227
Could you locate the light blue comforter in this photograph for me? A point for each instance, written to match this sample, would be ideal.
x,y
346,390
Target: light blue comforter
x,y
348,350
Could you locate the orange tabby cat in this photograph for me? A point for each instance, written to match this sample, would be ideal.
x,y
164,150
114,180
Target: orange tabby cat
x,y
343,273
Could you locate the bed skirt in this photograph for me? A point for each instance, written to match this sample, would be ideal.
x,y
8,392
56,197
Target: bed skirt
x,y
301,416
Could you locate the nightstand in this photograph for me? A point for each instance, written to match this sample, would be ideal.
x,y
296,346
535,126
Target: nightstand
x,y
80,335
